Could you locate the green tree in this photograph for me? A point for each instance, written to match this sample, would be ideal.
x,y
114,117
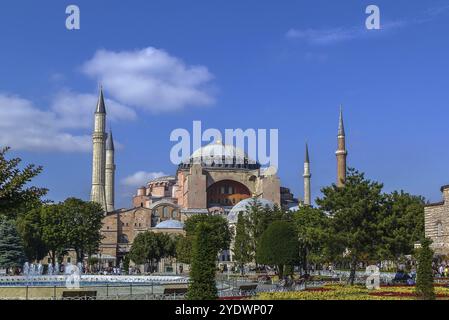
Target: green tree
x,y
16,195
401,224
126,262
424,277
220,237
183,249
12,254
149,248
29,225
258,221
260,217
313,233
278,246
54,231
242,242
202,273
82,225
354,212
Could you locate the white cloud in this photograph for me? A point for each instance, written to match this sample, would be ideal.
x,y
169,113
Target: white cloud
x,y
141,178
151,79
76,110
23,126
331,36
323,36
328,36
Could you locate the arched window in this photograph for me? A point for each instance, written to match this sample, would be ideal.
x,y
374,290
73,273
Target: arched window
x,y
123,238
175,213
440,229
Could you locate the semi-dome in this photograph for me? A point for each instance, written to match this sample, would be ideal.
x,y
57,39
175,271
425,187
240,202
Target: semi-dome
x,y
170,224
243,205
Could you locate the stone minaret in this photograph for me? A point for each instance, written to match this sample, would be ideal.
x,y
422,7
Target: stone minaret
x,y
307,176
341,153
110,172
99,154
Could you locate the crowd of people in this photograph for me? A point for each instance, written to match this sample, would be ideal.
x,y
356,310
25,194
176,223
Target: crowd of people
x,y
442,270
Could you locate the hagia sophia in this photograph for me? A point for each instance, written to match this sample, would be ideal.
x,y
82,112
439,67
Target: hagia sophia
x,y
199,186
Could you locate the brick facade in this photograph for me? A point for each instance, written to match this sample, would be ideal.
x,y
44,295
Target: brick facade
x,y
436,217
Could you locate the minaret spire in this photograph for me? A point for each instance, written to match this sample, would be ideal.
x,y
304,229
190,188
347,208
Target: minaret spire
x,y
341,126
110,173
100,104
99,153
307,176
341,152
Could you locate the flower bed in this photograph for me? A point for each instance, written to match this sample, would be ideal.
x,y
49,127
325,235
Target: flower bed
x,y
342,292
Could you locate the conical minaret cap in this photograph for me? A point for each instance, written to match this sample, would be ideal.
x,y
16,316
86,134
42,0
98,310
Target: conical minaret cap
x,y
110,141
100,104
307,154
341,127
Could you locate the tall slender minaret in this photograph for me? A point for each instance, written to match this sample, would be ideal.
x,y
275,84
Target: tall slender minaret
x,y
99,154
341,153
110,172
307,176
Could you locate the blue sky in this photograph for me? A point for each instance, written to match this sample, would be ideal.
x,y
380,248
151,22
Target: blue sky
x,y
231,64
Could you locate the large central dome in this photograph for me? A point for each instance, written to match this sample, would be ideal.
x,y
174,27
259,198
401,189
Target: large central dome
x,y
218,150
217,154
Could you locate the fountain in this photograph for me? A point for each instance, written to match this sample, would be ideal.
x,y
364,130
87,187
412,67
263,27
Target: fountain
x,y
26,269
39,269
56,268
50,269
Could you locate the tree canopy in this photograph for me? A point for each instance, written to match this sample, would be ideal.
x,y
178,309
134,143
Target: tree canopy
x,y
16,195
202,273
56,228
243,252
312,227
220,237
278,246
424,277
354,212
150,247
11,249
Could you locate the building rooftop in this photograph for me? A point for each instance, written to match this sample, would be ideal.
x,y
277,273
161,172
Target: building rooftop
x,y
170,224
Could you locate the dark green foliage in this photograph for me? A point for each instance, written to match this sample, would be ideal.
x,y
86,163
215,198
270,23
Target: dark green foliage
x,y
11,249
424,277
150,247
259,218
56,228
29,225
202,273
220,236
401,224
243,252
16,195
312,226
183,250
278,246
355,210
126,262
82,224
53,230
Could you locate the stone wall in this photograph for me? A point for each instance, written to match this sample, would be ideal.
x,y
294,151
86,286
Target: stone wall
x,y
437,223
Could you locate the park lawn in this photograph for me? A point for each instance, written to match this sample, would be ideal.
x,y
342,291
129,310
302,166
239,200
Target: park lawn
x,y
346,292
